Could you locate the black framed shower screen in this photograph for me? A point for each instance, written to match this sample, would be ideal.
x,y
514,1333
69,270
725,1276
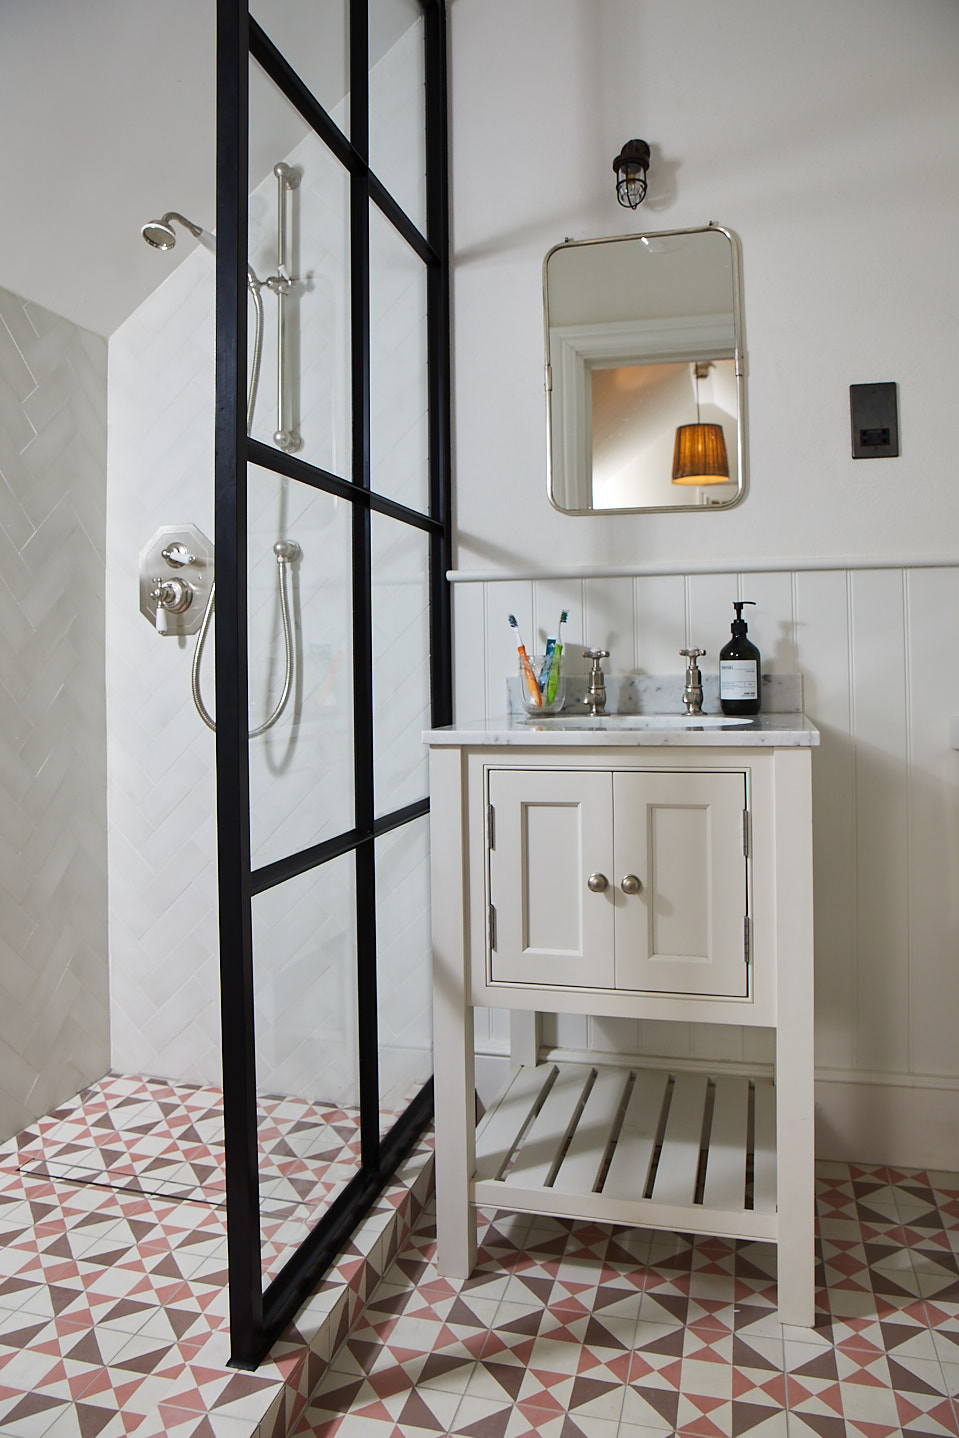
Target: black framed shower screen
x,y
258,1315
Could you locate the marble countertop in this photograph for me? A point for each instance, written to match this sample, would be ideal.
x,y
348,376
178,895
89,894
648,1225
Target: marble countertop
x,y
765,731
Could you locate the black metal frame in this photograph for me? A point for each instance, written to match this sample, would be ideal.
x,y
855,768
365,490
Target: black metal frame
x,y
256,1317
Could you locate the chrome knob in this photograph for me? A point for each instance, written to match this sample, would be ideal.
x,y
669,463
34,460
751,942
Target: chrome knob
x,y
596,883
630,884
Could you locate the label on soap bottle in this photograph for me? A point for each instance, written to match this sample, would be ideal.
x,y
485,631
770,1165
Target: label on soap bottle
x,y
737,679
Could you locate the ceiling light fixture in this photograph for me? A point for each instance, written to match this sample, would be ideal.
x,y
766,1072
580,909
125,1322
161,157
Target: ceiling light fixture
x,y
699,454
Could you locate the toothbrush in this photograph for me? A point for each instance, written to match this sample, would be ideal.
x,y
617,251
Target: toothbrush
x,y
547,664
552,678
525,665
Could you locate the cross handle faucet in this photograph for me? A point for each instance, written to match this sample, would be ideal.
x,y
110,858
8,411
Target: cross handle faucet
x,y
693,691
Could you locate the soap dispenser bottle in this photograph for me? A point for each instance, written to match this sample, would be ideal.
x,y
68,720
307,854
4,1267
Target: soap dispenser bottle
x,y
740,671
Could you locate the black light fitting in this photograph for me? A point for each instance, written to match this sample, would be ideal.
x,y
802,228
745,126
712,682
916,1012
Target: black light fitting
x,y
631,165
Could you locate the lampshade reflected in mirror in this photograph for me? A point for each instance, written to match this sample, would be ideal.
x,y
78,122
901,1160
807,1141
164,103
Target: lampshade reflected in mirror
x,y
699,455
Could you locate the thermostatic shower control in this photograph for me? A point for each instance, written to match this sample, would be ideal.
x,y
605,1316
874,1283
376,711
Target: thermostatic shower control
x,y
176,572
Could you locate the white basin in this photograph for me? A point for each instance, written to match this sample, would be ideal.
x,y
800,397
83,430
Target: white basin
x,y
635,721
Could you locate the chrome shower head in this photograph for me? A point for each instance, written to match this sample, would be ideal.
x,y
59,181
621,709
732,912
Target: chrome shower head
x,y
161,234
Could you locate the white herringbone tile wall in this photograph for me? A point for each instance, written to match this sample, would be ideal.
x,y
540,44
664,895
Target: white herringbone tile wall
x,y
54,1006
163,934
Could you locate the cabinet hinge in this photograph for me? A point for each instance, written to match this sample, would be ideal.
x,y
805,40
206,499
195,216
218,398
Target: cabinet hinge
x,y
746,832
492,927
490,827
746,940
549,379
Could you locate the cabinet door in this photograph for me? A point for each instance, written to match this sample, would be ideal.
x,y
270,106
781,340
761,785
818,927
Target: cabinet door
x,y
550,831
681,835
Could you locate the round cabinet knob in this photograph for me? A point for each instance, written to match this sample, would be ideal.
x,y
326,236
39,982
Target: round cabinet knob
x,y
596,883
630,884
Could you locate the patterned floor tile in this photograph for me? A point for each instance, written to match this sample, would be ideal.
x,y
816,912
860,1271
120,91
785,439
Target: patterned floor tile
x,y
113,1302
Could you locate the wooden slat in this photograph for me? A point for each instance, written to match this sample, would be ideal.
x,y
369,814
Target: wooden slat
x,y
630,1163
641,1211
764,1145
580,1168
726,1164
539,1152
497,1134
679,1160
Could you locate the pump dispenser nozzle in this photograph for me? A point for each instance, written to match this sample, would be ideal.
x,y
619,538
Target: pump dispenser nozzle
x,y
738,606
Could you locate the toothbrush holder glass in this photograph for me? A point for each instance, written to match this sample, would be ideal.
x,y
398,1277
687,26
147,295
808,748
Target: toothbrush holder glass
x,y
551,705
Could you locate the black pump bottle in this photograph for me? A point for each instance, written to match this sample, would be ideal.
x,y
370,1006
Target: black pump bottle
x,y
740,671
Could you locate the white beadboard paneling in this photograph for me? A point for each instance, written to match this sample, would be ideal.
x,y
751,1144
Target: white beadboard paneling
x,y
659,608
502,600
932,608
550,598
609,1035
709,598
469,654
882,829
609,621
772,623
716,1041
824,658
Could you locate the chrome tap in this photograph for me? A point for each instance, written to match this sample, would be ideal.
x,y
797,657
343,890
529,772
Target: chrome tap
x,y
693,692
596,688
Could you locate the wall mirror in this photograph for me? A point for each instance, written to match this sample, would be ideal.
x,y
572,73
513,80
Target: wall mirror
x,y
644,335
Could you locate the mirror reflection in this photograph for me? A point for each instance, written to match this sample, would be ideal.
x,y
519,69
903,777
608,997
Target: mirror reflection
x,y
645,387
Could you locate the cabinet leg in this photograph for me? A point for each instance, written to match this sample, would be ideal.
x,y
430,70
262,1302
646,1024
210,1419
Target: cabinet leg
x,y
524,1037
455,1123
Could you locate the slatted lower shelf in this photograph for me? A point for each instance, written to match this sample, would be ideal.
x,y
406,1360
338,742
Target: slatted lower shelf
x,y
660,1148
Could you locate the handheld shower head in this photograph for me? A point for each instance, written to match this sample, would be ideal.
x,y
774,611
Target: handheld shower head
x,y
161,234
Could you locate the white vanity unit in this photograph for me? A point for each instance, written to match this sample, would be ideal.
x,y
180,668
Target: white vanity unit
x,y
640,867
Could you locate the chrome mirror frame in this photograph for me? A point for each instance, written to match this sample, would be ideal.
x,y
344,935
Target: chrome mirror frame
x,y
703,351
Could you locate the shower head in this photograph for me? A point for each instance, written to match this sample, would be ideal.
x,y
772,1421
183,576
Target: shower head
x,y
161,234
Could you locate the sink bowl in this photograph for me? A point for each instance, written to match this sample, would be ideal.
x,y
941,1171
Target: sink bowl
x,y
634,721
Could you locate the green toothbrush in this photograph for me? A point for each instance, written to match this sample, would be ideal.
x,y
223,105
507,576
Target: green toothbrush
x,y
553,678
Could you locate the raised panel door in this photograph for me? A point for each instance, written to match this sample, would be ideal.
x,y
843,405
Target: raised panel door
x,y
681,835
551,830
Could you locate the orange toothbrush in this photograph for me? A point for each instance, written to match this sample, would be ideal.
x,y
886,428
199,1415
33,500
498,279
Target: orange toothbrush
x,y
531,683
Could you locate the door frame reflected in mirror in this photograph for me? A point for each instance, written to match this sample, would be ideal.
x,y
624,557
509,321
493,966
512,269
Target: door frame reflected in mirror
x,y
574,350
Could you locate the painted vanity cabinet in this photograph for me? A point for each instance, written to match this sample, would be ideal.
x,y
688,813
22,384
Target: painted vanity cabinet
x,y
619,879
639,875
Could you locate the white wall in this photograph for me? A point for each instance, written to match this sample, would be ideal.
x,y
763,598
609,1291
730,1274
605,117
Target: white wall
x,y
54,1007
824,136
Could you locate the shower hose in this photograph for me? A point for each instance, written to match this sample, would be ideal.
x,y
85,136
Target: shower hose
x,y
286,551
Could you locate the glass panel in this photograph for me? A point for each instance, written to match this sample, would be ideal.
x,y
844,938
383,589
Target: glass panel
x,y
315,40
404,967
401,670
307,1067
398,103
399,433
306,292
301,769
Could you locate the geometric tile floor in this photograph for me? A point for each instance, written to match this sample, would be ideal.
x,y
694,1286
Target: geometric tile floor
x,y
113,1300
166,1140
113,1303
578,1330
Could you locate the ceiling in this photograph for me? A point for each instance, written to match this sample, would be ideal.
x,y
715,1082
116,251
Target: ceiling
x,y
108,120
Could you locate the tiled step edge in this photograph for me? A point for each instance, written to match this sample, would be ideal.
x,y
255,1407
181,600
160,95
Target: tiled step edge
x,y
303,1354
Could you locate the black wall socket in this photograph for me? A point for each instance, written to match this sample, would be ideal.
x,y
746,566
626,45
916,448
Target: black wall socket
x,y
874,417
